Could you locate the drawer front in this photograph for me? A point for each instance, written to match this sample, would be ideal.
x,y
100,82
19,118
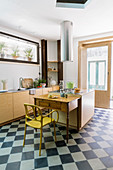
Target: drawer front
x,y
50,104
55,105
44,104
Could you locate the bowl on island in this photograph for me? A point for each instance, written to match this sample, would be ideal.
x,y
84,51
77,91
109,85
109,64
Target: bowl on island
x,y
77,90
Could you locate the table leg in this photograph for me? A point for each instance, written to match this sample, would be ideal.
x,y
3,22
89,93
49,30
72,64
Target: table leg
x,y
35,110
35,103
78,114
67,136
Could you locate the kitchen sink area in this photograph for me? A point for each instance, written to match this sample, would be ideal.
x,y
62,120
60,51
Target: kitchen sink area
x,y
31,90
25,84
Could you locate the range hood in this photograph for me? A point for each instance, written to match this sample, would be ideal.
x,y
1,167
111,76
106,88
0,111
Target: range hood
x,y
66,41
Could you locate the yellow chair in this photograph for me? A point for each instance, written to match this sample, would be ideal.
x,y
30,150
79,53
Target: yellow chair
x,y
38,121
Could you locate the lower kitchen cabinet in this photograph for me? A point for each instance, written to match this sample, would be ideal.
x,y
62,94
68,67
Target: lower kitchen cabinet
x,y
31,97
19,98
55,87
6,107
12,104
39,92
46,90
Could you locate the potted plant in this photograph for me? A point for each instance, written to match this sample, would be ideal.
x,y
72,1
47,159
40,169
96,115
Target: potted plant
x,y
15,53
28,53
2,45
39,83
35,84
43,83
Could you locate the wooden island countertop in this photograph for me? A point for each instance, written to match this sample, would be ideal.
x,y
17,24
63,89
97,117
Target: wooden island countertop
x,y
60,99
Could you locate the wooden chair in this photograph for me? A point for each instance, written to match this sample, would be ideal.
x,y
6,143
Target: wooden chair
x,y
38,121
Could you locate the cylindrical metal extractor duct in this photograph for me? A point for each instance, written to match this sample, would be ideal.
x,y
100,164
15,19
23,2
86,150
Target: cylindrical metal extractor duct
x,y
66,41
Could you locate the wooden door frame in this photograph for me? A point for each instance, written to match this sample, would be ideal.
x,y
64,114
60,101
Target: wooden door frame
x,y
82,46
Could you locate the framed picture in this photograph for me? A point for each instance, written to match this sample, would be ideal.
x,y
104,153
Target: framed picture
x,y
17,49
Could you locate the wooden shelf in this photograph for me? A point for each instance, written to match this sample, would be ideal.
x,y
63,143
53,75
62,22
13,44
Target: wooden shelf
x,y
52,70
52,61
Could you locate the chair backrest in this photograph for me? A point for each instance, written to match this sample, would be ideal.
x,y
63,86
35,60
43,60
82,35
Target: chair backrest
x,y
34,110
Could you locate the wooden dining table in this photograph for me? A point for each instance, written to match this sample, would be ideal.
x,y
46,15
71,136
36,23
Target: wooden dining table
x,y
63,104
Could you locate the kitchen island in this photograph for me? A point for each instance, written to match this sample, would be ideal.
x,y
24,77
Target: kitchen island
x,y
75,110
59,103
85,107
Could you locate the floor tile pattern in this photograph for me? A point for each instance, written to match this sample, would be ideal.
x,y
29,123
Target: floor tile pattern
x,y
90,149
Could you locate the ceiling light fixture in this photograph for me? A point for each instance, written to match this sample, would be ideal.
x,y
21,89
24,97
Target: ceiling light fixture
x,y
72,3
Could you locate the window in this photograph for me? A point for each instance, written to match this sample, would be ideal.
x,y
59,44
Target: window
x,y
16,49
97,67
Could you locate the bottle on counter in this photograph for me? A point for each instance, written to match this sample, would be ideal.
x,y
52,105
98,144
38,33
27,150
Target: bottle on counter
x,y
4,84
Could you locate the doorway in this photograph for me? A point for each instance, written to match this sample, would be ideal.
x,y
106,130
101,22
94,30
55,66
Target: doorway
x,y
111,95
98,70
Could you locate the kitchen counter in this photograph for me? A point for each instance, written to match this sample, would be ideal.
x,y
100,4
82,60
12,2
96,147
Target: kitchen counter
x,y
24,89
14,90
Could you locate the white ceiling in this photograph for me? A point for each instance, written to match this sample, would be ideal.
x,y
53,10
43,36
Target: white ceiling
x,y
41,18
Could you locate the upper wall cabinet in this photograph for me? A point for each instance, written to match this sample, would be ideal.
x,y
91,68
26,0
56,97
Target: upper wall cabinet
x,y
16,49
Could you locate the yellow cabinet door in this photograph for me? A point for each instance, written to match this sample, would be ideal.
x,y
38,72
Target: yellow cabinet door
x,y
19,98
6,107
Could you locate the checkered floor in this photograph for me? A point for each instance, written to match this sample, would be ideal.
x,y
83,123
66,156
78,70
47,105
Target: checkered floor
x,y
91,148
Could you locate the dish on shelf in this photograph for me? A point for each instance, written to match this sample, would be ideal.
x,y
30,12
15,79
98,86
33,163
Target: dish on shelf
x,y
49,69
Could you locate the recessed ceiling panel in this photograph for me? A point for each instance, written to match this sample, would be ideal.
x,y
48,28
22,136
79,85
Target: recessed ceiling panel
x,y
72,3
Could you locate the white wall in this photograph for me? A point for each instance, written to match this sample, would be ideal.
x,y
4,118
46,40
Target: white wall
x,y
13,71
52,50
70,69
70,72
